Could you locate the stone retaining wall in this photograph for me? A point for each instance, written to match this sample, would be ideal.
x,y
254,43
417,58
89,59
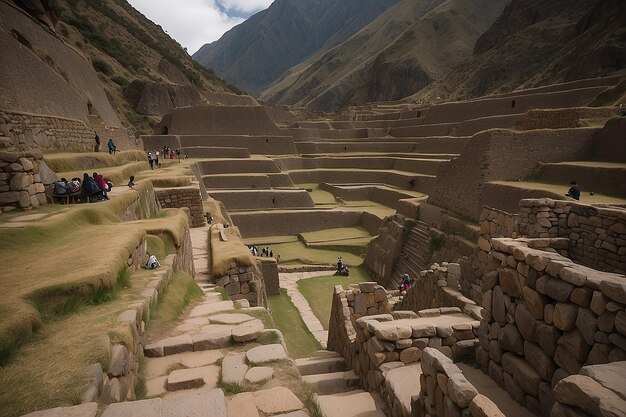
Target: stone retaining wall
x,y
184,197
20,182
240,283
373,345
446,392
117,382
269,269
563,118
545,317
438,286
26,131
597,234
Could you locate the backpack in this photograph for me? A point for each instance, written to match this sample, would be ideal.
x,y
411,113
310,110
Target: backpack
x,y
60,188
74,186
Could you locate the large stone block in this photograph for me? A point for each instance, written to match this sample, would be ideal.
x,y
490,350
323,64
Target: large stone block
x,y
498,307
510,339
526,323
510,282
535,302
547,337
524,375
564,317
558,289
587,324
587,394
543,364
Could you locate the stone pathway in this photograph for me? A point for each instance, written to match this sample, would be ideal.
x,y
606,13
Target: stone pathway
x,y
199,237
289,282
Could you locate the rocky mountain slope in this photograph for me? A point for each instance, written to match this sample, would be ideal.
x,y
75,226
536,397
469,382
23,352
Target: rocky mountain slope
x,y
399,53
535,43
144,72
255,53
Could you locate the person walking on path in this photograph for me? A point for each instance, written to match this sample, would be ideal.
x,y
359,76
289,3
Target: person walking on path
x,y
112,147
150,160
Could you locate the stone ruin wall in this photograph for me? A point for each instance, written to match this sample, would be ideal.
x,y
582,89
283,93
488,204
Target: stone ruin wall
x,y
444,391
48,133
563,118
243,283
545,318
597,235
184,197
20,183
384,250
372,350
500,155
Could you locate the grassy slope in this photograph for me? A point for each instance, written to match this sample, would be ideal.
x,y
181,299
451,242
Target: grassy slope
x,y
318,291
300,342
298,252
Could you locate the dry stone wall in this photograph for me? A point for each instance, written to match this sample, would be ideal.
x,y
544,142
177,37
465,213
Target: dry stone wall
x,y
563,118
374,344
48,133
20,182
240,283
188,197
597,235
545,317
446,392
502,155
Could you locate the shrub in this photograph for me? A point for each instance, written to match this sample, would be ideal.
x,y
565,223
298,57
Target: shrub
x,y
119,80
102,67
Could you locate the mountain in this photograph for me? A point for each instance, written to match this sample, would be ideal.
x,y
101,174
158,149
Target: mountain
x,y
400,52
144,72
535,43
255,53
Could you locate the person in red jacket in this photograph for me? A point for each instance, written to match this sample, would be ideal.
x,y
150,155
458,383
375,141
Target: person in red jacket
x,y
104,186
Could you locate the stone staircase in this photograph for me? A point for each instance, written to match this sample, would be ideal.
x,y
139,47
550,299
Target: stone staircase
x,y
413,257
338,390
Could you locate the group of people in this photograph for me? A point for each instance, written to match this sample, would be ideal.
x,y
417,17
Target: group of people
x,y
266,251
166,153
110,145
96,186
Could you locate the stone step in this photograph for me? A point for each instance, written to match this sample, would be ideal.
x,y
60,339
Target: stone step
x,y
234,368
82,410
181,379
325,354
352,403
205,403
332,383
321,365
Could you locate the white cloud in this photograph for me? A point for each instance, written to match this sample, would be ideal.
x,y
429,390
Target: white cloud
x,y
246,6
196,22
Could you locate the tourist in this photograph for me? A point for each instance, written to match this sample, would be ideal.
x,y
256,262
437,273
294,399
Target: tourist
x,y
209,218
574,191
91,188
131,182
278,258
178,154
112,147
152,262
75,185
405,284
412,182
102,184
271,253
150,160
96,147
156,159
622,110
339,264
61,187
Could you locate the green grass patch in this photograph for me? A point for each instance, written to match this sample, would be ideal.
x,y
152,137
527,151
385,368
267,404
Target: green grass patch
x,y
318,291
232,388
300,342
176,297
300,253
270,240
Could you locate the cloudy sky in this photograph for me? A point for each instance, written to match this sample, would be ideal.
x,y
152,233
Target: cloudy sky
x,y
196,22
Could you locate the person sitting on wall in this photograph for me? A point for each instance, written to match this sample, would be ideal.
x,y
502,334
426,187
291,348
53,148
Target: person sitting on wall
x,y
131,182
61,187
91,187
102,184
152,262
405,284
574,190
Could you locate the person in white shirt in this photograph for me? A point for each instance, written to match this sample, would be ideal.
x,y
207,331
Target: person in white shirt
x,y
152,262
